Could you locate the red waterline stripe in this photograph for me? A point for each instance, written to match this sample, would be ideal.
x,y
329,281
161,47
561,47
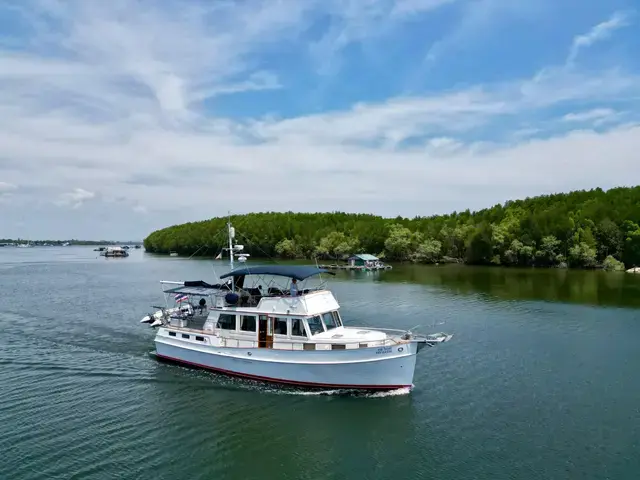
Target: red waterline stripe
x,y
278,380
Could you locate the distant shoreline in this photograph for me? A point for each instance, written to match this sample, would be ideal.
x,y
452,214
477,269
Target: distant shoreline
x,y
8,242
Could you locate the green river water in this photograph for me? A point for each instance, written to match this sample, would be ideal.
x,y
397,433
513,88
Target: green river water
x,y
540,380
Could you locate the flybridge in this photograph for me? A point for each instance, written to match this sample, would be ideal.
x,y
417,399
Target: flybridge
x,y
202,288
299,272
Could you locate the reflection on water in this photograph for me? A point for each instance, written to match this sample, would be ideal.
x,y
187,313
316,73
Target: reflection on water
x,y
588,287
557,285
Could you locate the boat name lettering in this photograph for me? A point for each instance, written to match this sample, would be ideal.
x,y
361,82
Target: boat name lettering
x,y
383,350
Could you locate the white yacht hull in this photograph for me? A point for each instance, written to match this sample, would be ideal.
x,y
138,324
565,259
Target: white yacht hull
x,y
374,368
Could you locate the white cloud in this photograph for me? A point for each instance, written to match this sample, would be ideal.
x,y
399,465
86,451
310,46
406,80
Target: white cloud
x,y
444,145
7,187
597,114
478,18
360,21
75,198
167,53
600,32
6,191
394,120
556,85
399,119
115,98
256,81
140,209
403,8
526,132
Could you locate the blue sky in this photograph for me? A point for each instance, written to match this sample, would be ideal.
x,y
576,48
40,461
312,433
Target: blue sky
x,y
120,117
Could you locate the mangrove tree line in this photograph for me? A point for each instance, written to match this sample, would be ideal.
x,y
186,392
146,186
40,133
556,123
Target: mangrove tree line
x,y
579,229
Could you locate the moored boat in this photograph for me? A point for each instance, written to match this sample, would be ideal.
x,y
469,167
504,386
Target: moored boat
x,y
110,252
285,334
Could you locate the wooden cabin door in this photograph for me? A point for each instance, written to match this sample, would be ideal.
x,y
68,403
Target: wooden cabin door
x,y
265,331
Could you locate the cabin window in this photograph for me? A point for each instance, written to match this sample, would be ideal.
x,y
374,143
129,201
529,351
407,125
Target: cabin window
x,y
200,339
172,334
248,323
336,318
297,329
184,335
226,321
329,321
315,325
280,326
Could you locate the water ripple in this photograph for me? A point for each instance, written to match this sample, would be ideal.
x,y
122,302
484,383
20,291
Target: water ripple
x,y
526,389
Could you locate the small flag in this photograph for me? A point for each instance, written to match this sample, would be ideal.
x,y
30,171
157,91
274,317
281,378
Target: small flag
x,y
181,297
219,257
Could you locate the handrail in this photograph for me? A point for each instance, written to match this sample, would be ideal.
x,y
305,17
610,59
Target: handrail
x,y
394,330
279,343
224,340
223,292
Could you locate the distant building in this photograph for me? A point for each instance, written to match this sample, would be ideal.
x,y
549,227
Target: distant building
x,y
362,260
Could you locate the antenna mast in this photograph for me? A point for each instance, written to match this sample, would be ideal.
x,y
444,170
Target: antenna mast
x,y
232,234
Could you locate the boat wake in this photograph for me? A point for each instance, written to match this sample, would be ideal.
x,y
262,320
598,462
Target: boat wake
x,y
347,392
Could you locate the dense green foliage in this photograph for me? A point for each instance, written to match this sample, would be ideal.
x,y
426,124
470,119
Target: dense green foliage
x,y
577,229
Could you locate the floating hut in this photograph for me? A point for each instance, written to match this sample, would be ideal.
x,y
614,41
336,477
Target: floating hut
x,y
360,261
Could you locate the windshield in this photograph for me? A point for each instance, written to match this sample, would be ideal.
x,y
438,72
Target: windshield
x,y
329,320
315,325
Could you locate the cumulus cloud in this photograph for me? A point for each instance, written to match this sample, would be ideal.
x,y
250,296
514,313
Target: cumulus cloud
x,y
134,98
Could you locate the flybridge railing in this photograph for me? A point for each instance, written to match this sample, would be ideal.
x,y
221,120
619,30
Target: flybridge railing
x,y
268,292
